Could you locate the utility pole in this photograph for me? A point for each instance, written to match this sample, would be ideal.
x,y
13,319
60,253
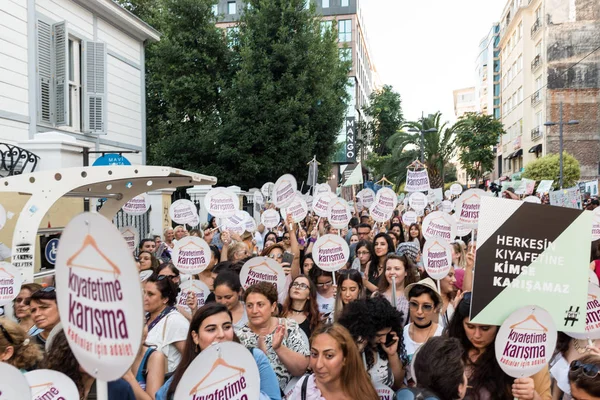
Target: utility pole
x,y
561,124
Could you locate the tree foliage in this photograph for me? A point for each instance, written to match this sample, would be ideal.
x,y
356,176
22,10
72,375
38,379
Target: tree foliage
x,y
476,134
384,116
548,168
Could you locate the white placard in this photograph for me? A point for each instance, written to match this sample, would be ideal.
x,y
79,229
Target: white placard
x,y
322,188
263,269
462,230
49,384
331,252
284,191
13,385
440,225
386,199
525,342
456,189
2,217
270,218
236,223
267,190
367,197
99,296
532,199
339,213
250,225
191,255
183,211
10,283
447,194
195,286
447,206
430,197
221,202
592,326
417,181
596,224
139,205
409,218
131,237
258,198
378,214
225,370
437,258
467,207
417,201
321,203
298,208
309,201
544,186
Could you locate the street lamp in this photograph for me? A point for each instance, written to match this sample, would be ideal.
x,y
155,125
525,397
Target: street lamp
x,y
560,124
422,132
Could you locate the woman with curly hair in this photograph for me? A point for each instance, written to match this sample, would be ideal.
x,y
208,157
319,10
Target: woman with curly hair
x,y
376,327
16,348
301,304
486,378
60,358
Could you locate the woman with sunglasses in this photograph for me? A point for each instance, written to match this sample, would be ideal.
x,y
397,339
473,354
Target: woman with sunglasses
x,y
212,323
301,304
167,328
22,310
323,280
350,288
44,311
170,271
424,302
584,378
404,272
486,378
16,348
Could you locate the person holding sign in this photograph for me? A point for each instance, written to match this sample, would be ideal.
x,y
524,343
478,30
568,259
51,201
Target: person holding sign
x,y
486,378
280,339
399,270
337,368
212,323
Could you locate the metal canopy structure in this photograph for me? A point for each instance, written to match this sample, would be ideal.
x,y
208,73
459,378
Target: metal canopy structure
x,y
117,184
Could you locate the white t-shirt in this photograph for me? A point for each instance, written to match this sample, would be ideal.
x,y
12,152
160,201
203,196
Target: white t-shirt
x,y
326,305
411,347
169,330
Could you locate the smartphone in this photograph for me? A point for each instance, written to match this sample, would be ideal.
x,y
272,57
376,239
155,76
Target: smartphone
x,y
389,339
288,258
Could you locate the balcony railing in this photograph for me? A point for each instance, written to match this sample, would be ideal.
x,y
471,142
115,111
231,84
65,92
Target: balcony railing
x,y
535,28
536,97
536,133
537,61
15,160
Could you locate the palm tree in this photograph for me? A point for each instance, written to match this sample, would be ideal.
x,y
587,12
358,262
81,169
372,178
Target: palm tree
x,y
438,148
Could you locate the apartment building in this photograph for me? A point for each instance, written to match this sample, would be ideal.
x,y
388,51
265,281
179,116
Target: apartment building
x,y
346,16
487,74
542,43
465,100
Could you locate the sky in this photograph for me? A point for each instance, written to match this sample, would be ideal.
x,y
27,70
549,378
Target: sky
x,y
426,49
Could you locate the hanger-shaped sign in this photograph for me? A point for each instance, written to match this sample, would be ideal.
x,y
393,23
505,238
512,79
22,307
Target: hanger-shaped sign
x,y
218,362
41,388
264,264
384,180
531,318
416,165
2,269
90,241
437,244
330,241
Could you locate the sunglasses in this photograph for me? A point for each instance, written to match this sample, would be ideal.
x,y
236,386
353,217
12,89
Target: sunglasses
x,y
8,338
163,277
589,370
425,307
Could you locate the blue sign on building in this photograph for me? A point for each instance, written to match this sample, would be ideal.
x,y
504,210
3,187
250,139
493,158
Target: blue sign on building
x,y
111,159
51,250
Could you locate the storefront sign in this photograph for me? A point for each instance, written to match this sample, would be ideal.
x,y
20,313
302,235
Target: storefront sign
x,y
350,139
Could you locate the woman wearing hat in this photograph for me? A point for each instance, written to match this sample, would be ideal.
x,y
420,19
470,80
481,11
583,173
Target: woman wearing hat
x,y
424,303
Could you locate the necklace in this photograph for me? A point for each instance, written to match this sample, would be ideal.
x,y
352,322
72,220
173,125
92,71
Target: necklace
x,y
581,350
296,311
426,337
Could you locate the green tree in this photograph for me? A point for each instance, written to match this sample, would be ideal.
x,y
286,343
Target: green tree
x,y
548,168
286,101
438,148
384,116
450,173
476,134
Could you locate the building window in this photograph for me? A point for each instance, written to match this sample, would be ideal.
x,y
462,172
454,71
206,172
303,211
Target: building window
x,y
232,39
520,63
307,4
215,9
520,30
231,8
538,48
520,95
345,3
74,83
326,26
538,83
325,4
345,30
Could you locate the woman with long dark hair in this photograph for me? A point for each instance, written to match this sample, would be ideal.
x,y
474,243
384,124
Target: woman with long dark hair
x,y
415,235
229,292
486,378
350,288
382,246
301,304
212,323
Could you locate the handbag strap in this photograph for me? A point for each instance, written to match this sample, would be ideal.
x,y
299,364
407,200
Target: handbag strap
x,y
304,387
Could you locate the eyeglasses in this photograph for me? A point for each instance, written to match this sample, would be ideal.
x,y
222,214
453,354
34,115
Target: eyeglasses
x,y
8,338
325,284
302,286
274,256
589,370
425,307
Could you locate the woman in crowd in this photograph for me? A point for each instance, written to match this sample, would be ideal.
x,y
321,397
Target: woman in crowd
x,y
16,348
382,246
584,377
237,251
323,280
167,328
280,339
23,311
228,291
148,262
403,271
148,368
365,253
307,264
301,304
270,239
439,367
60,358
170,271
353,239
415,235
376,327
338,371
169,235
486,378
212,323
398,232
449,294
350,288
424,302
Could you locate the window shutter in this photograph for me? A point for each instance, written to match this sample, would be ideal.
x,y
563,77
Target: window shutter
x,y
94,86
44,71
61,81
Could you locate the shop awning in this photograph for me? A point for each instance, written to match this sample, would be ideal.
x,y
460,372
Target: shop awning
x,y
536,149
509,156
517,153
